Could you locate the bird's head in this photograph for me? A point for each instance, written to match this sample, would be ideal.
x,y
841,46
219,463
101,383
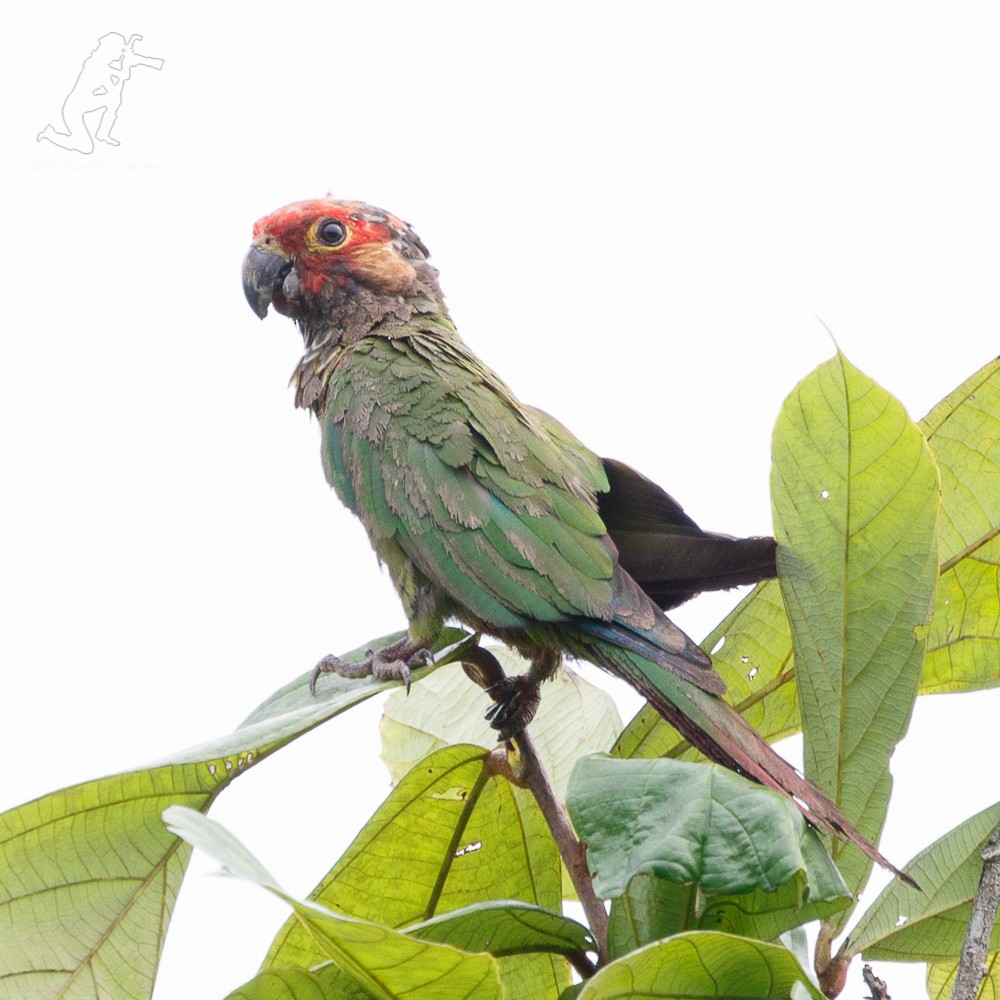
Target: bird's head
x,y
338,268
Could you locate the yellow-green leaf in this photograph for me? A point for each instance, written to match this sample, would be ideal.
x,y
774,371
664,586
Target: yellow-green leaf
x,y
385,963
941,979
702,965
292,984
928,924
963,644
855,495
449,835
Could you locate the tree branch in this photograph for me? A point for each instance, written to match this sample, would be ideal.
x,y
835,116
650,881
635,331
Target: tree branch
x,y
527,771
972,965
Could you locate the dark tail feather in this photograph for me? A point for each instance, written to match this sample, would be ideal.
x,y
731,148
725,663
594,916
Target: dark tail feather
x,y
674,568
665,551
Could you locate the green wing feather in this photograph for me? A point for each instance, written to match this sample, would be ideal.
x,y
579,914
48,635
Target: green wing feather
x,y
438,458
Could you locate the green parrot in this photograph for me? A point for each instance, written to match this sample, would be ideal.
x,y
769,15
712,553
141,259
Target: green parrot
x,y
489,511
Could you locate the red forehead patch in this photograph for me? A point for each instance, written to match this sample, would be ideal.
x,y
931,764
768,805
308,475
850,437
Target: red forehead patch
x,y
290,224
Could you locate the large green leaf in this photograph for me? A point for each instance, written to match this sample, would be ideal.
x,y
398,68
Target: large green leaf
x,y
910,925
702,964
692,823
766,915
573,719
963,645
89,875
752,651
450,835
855,495
652,909
382,961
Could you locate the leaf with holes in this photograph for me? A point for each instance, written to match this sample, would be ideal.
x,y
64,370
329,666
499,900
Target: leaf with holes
x,y
963,640
909,925
450,835
381,961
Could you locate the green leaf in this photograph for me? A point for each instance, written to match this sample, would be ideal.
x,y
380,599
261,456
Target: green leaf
x,y
573,719
294,984
941,979
507,927
855,495
907,925
387,964
755,661
691,823
94,866
89,880
652,908
963,644
765,915
702,964
649,910
449,835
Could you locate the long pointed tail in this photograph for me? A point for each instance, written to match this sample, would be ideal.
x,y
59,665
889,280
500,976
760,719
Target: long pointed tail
x,y
724,736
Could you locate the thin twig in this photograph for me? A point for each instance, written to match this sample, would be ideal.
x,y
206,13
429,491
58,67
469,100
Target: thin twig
x,y
972,965
879,990
528,772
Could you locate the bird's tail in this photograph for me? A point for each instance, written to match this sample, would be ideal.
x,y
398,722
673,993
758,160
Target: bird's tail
x,y
672,570
665,551
715,728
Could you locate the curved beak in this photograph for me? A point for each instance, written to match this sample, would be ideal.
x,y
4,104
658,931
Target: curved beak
x,y
263,274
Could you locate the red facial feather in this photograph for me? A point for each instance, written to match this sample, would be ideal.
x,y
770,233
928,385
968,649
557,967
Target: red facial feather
x,y
289,225
367,255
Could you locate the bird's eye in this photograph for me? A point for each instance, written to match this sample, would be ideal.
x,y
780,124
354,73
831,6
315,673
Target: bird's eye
x,y
331,232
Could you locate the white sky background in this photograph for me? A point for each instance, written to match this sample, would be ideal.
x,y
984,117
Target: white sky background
x,y
638,211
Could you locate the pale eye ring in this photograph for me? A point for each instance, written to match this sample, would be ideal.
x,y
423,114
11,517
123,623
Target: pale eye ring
x,y
331,232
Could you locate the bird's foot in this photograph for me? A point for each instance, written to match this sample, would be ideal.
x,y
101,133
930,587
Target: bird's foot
x,y
390,663
516,701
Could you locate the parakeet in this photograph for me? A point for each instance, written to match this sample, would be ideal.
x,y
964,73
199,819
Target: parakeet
x,y
489,511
